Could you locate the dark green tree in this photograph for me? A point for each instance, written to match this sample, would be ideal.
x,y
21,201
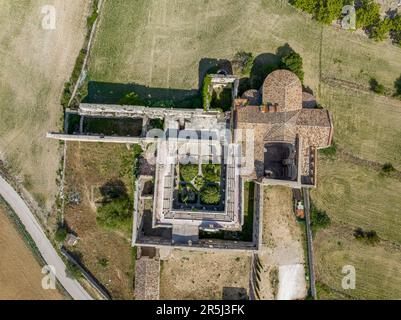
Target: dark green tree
x,y
293,61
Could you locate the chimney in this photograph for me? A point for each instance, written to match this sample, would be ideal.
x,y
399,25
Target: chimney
x,y
265,109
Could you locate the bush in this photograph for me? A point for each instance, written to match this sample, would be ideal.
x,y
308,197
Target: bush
x,y
243,61
308,6
387,168
103,262
188,171
210,195
367,13
327,11
73,271
397,86
329,152
115,214
206,92
293,61
319,219
369,237
131,99
211,172
381,29
376,87
61,234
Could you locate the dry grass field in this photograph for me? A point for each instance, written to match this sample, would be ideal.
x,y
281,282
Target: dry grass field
x,y
160,44
107,254
358,196
34,64
205,275
20,272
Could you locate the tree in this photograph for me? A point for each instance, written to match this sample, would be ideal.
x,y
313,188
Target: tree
x,y
375,86
395,32
243,61
387,168
61,234
293,61
328,10
308,6
380,30
115,214
367,13
319,219
211,195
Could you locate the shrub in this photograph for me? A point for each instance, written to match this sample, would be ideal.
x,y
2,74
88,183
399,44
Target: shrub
x,y
380,30
210,195
61,234
367,13
199,182
131,98
387,168
73,271
115,214
308,6
397,85
243,61
319,219
375,86
329,152
369,237
293,61
328,10
211,172
206,92
188,172
103,262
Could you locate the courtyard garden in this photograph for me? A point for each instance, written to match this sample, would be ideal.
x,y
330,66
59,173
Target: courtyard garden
x,y
200,185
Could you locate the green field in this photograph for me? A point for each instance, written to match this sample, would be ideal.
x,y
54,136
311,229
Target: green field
x,y
161,49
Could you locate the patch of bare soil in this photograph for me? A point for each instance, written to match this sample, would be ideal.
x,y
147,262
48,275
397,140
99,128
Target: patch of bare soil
x,y
205,275
20,272
282,248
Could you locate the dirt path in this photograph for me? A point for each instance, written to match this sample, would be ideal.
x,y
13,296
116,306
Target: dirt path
x,y
282,256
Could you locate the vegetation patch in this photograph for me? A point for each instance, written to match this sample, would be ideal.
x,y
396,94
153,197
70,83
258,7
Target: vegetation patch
x,y
210,195
376,87
211,172
319,218
188,172
369,237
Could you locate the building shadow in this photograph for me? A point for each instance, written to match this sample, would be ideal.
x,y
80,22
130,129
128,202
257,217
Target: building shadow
x,y
114,93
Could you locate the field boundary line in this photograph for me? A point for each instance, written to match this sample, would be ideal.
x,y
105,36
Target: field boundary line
x,y
88,47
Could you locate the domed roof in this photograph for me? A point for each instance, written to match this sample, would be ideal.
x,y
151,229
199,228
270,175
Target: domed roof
x,y
284,89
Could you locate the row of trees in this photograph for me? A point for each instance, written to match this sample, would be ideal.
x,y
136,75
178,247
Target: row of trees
x,y
367,16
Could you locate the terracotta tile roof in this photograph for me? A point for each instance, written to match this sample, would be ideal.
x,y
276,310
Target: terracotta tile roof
x,y
282,87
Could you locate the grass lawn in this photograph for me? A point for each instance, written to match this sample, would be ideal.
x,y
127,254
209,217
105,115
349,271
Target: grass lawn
x,y
355,196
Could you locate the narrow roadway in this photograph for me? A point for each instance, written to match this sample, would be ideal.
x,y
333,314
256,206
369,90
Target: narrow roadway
x,y
305,192
43,244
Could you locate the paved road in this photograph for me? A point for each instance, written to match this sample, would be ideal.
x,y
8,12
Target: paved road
x,y
310,243
46,249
